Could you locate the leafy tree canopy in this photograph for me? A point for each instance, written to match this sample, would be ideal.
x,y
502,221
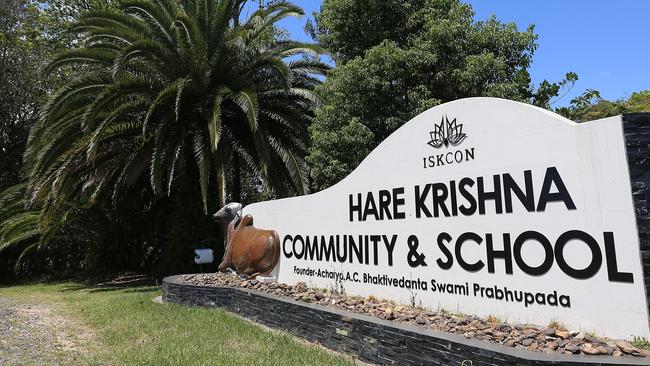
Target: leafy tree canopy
x,y
590,106
398,58
23,50
30,32
161,100
174,87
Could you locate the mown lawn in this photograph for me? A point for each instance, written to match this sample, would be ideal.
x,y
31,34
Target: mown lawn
x,y
130,329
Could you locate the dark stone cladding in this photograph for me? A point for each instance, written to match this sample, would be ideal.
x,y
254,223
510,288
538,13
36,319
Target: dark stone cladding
x,y
636,127
370,339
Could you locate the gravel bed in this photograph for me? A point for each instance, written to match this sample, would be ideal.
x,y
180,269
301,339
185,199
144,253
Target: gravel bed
x,y
523,336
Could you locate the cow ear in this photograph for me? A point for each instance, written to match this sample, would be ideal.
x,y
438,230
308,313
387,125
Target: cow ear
x,y
247,220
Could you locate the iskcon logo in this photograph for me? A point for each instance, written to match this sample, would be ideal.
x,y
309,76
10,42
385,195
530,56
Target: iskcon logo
x,y
447,133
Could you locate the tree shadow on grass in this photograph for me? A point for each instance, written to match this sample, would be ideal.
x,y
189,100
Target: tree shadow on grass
x,y
100,289
128,284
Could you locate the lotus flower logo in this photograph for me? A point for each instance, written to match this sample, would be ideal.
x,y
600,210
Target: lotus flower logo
x,y
447,133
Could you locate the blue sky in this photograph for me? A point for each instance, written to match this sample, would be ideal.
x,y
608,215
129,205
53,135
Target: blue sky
x,y
605,42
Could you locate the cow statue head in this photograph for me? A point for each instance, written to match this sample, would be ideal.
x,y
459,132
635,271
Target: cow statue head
x,y
228,213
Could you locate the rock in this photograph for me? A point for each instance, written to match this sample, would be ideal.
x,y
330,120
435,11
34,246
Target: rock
x,y
580,335
627,348
617,353
529,333
573,348
551,345
605,350
319,295
527,342
469,334
588,349
549,332
388,313
510,343
504,327
562,334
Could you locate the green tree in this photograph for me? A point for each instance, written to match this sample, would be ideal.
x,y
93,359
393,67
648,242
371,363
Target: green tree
x,y
396,59
347,29
30,32
638,102
23,51
590,106
168,108
58,16
165,88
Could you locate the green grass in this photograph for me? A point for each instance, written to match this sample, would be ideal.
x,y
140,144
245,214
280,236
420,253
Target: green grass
x,y
130,329
554,324
640,342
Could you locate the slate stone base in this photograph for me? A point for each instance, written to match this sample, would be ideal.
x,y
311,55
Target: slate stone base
x,y
636,127
370,339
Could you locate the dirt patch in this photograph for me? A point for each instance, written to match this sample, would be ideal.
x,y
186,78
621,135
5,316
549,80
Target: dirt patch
x,y
39,334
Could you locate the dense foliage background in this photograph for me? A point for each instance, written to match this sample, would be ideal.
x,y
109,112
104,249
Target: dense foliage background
x,y
124,123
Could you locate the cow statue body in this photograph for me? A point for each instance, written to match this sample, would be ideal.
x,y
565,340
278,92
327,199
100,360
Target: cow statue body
x,y
248,250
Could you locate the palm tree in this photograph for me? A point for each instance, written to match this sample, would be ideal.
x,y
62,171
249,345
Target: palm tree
x,y
18,227
169,87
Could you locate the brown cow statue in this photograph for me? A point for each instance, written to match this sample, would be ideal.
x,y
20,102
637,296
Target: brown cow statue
x,y
248,250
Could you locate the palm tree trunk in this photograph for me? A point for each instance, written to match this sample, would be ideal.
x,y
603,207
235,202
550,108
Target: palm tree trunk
x,y
221,180
236,189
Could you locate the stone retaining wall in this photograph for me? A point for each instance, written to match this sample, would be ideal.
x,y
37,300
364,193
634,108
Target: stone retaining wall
x,y
370,339
636,127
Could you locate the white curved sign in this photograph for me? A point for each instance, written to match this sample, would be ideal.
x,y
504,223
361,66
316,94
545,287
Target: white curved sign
x,y
482,206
